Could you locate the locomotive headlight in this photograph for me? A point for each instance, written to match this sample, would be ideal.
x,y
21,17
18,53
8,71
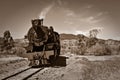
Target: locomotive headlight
x,y
36,23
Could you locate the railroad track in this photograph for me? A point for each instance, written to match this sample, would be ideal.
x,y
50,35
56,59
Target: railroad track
x,y
24,74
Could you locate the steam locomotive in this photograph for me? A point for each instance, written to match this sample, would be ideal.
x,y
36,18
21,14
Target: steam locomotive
x,y
44,43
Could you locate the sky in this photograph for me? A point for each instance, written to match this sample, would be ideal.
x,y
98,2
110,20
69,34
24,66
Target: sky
x,y
66,16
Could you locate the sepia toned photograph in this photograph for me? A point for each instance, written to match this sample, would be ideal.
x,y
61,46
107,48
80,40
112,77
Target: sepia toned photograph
x,y
59,40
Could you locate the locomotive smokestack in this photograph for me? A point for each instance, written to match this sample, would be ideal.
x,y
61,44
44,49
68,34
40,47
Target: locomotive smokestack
x,y
41,22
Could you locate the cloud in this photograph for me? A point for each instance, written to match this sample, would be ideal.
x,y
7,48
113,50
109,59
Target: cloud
x,y
68,22
85,18
70,16
59,2
89,6
100,16
88,20
69,13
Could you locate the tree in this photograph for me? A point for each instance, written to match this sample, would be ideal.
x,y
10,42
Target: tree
x,y
94,32
93,37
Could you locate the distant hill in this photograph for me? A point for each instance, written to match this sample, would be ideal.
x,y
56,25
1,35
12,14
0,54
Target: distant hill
x,y
71,36
67,36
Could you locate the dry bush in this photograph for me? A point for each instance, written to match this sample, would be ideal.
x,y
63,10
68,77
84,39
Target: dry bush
x,y
99,50
115,49
19,51
14,51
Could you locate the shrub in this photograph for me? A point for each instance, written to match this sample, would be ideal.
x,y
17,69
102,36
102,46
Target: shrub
x,y
99,50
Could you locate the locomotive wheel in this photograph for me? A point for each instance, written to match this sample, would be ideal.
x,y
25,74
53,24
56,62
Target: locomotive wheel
x,y
34,63
37,62
52,59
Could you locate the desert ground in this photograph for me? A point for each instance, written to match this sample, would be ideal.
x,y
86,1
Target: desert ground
x,y
77,68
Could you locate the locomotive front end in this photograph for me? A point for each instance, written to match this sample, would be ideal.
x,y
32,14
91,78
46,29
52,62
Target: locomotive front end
x,y
42,42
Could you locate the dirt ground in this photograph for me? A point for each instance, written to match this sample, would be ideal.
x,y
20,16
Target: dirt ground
x,y
77,68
